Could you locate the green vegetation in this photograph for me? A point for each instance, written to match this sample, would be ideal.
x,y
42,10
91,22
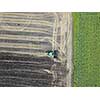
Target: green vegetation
x,y
86,28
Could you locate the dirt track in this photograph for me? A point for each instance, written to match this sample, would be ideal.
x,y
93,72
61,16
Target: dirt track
x,y
69,50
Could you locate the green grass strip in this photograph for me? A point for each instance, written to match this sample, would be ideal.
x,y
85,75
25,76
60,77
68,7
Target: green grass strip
x,y
86,29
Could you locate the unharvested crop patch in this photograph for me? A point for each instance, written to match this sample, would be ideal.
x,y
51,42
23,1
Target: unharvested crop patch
x,y
86,49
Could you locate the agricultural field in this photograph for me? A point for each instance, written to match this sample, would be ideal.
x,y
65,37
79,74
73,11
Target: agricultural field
x,y
35,49
86,42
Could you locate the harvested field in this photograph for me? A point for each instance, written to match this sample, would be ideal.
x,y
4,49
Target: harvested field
x,y
25,39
